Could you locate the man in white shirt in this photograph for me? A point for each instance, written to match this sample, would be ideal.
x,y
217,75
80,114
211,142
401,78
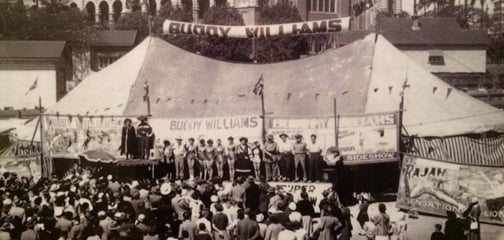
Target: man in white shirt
x,y
315,159
179,151
286,161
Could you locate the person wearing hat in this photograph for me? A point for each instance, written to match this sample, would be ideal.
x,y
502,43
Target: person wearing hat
x,y
144,133
271,156
243,165
190,149
231,157
29,233
315,159
285,162
5,229
140,224
220,151
299,151
179,152
262,226
128,140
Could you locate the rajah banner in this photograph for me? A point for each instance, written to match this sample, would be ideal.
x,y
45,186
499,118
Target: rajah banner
x,y
434,187
257,31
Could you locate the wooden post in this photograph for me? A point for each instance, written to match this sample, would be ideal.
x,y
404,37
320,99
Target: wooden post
x,y
43,163
336,123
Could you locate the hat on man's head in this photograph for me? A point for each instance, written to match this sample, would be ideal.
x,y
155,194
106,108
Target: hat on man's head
x,y
243,139
165,189
214,198
292,206
109,177
141,218
283,135
270,137
178,138
299,136
259,217
250,179
7,202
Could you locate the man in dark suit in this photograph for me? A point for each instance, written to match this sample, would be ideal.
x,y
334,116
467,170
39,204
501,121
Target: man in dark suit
x,y
128,140
252,195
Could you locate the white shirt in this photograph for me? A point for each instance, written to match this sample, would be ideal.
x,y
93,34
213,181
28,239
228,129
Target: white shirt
x,y
300,234
287,235
179,149
314,147
284,146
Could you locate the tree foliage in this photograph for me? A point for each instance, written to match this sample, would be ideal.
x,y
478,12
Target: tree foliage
x,y
134,21
230,49
177,13
280,48
55,21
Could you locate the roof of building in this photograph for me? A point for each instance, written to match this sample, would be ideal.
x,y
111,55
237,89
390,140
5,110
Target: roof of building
x,y
115,38
31,49
433,31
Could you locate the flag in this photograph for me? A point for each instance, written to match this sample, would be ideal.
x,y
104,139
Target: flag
x,y
33,86
146,88
259,86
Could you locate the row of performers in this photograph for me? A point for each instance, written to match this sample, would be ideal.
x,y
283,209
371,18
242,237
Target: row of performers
x,y
275,160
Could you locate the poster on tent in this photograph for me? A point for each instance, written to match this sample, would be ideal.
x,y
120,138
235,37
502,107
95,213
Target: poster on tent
x,y
370,137
69,136
434,187
26,165
249,126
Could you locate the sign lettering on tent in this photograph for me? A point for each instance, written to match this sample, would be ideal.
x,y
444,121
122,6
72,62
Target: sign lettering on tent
x,y
258,31
435,187
249,126
371,137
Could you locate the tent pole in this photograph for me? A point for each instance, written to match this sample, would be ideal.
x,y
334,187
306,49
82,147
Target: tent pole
x,y
336,123
263,113
35,131
44,169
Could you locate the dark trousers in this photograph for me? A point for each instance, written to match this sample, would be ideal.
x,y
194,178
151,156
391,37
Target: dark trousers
x,y
314,167
286,166
143,145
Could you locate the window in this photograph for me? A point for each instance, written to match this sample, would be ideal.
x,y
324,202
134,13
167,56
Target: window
x,y
436,58
328,6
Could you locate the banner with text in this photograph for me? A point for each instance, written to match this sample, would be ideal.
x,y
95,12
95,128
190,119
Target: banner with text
x,y
435,187
69,136
257,31
371,137
249,126
314,190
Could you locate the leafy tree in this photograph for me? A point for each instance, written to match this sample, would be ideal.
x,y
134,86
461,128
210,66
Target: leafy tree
x,y
230,49
55,21
280,48
134,21
177,13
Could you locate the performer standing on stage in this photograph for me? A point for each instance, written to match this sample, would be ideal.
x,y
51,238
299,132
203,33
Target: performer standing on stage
x,y
285,158
144,132
243,164
179,153
190,149
315,163
211,155
299,151
201,152
219,161
231,157
256,158
128,140
271,155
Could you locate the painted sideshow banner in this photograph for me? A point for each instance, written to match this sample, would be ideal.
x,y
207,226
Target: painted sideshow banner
x,y
372,137
70,136
435,187
23,165
360,138
323,127
249,126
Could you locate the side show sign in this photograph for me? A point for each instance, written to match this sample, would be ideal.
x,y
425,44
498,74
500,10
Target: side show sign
x,y
435,187
257,31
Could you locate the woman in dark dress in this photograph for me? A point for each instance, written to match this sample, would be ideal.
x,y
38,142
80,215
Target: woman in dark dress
x,y
128,140
243,165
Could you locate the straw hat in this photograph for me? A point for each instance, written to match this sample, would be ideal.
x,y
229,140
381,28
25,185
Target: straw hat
x,y
259,217
292,206
165,189
295,217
